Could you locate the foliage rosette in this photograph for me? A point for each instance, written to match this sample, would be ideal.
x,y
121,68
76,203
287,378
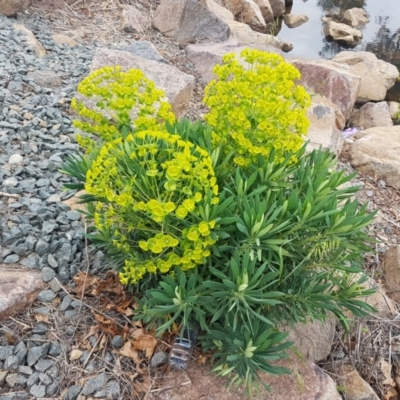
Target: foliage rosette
x,y
123,102
153,190
255,107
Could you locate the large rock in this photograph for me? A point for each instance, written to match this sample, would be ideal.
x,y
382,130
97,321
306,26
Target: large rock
x,y
355,17
355,387
31,40
376,152
205,56
221,12
307,382
377,76
342,33
326,123
278,7
331,80
371,115
176,85
392,272
11,7
379,300
245,35
187,20
266,10
133,21
295,20
248,12
19,287
313,339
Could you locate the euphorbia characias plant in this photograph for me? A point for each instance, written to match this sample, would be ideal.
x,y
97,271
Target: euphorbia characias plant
x,y
226,222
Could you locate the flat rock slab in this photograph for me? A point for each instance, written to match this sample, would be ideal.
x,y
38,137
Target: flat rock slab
x,y
326,123
187,20
19,287
331,80
176,85
307,382
376,152
377,76
205,56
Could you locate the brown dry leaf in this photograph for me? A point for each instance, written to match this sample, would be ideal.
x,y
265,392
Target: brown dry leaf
x,y
146,343
386,370
107,325
42,318
127,350
11,339
202,359
83,282
391,394
142,387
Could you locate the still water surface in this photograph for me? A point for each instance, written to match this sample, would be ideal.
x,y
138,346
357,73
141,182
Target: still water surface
x,y
381,35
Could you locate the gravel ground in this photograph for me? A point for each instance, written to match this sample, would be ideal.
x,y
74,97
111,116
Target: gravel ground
x,y
38,230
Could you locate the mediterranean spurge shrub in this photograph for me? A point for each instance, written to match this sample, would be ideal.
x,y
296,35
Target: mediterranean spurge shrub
x,y
226,224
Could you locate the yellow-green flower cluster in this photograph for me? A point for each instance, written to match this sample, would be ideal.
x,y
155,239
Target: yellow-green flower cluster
x,y
119,103
255,106
152,184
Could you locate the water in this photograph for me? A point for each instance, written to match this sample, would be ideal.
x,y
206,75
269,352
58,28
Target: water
x,y
381,35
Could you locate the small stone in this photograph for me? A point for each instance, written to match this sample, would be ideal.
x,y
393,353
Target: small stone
x,y
11,380
10,182
33,379
75,355
24,369
111,391
74,215
55,350
370,193
45,379
159,358
54,198
5,352
52,261
48,227
48,274
3,375
73,392
41,247
96,383
11,363
21,351
38,390
15,159
52,389
34,354
46,296
66,302
11,259
55,285
117,341
43,364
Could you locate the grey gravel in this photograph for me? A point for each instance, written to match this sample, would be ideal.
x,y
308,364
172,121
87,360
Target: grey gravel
x,y
96,383
73,392
43,364
38,390
34,354
117,341
45,296
158,358
48,274
11,363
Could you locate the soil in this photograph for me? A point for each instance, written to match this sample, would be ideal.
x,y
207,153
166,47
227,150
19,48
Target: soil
x,y
79,19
